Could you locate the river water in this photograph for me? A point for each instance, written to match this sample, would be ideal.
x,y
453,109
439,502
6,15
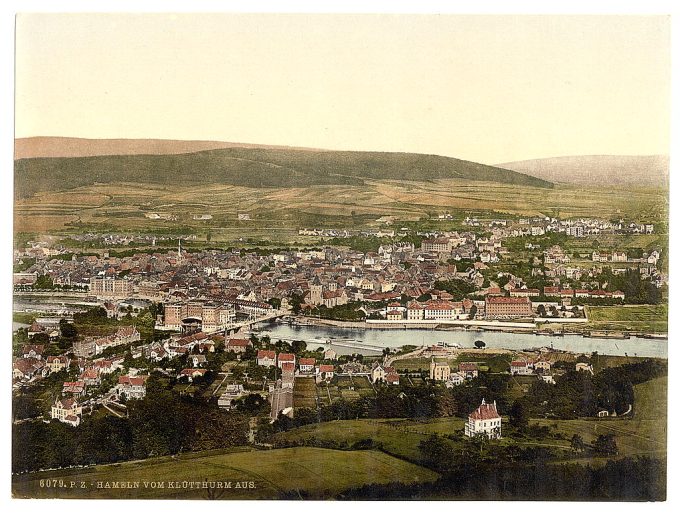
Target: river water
x,y
316,335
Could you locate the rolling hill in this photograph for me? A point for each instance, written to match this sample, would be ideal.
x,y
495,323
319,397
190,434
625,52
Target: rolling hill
x,y
599,170
252,167
33,147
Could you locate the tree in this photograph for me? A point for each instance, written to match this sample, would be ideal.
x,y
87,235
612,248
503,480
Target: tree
x,y
473,311
44,281
446,404
519,415
541,310
605,445
41,338
480,441
577,444
299,346
480,344
67,329
436,452
251,403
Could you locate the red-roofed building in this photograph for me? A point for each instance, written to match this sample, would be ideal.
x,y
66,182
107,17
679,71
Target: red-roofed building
x,y
520,367
77,388
415,311
266,358
507,307
90,377
524,292
326,372
392,378
484,420
285,358
238,345
33,351
57,363
443,310
191,374
307,364
132,387
468,369
394,315
617,294
26,368
287,369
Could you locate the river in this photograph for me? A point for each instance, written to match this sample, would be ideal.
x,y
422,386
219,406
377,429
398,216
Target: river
x,y
315,335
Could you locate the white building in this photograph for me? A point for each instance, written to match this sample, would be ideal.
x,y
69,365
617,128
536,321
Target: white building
x,y
439,371
67,411
484,419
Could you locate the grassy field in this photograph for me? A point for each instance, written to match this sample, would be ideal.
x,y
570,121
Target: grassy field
x,y
649,318
395,438
277,213
321,473
642,434
494,362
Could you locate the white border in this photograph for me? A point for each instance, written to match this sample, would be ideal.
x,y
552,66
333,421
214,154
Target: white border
x,y
305,6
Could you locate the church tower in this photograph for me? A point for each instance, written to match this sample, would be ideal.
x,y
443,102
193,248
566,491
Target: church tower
x,y
315,292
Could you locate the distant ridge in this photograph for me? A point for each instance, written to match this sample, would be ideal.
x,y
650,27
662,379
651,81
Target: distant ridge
x,y
603,170
34,147
250,167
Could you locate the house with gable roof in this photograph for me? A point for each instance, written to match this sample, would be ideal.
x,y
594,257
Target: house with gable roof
x,y
484,420
67,411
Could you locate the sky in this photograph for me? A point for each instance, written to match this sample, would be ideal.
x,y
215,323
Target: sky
x,y
489,89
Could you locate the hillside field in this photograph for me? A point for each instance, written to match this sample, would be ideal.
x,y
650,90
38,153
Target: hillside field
x,y
642,434
320,473
278,212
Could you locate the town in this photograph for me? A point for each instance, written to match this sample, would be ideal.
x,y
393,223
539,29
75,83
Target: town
x,y
105,331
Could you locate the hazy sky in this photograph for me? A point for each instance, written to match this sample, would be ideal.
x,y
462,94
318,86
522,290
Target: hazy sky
x,y
482,88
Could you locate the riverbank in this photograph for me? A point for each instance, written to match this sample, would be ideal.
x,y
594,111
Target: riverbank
x,y
318,333
552,329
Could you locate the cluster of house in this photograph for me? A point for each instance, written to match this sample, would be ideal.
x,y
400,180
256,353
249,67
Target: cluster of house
x,y
542,368
210,289
69,409
92,346
30,364
580,227
525,367
178,345
48,326
582,293
434,309
441,371
291,366
91,373
381,373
